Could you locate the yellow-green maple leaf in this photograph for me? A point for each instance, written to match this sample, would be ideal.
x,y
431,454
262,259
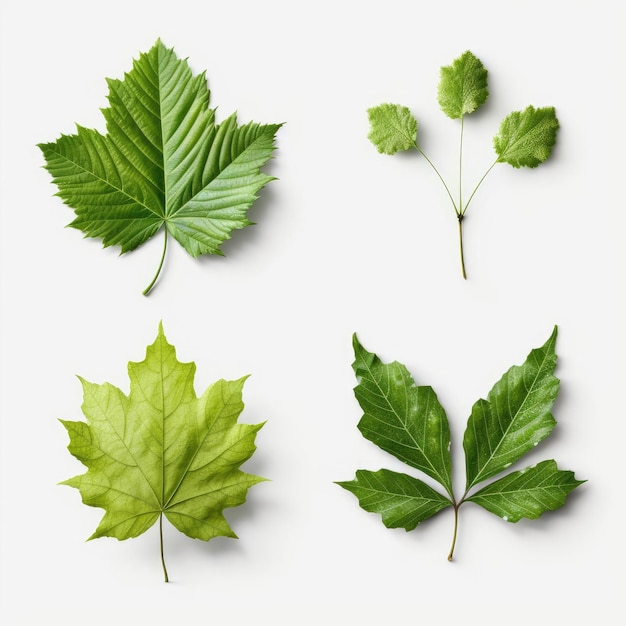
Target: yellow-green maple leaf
x,y
161,450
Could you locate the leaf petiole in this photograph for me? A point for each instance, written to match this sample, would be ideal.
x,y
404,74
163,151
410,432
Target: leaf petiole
x,y
461,169
146,291
440,177
456,526
167,580
464,209
459,210
460,217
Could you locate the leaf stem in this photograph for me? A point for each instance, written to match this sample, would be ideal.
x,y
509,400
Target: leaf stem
x,y
456,526
146,291
464,209
460,218
167,580
461,167
456,210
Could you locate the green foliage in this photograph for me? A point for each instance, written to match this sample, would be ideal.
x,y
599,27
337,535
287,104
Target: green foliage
x,y
463,86
402,500
162,451
528,492
164,164
407,421
393,128
402,418
525,137
514,418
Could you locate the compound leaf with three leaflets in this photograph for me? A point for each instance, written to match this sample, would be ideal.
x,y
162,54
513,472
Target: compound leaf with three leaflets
x,y
525,138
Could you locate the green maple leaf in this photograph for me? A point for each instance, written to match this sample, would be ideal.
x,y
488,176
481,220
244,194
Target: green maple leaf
x,y
407,421
164,163
525,137
162,451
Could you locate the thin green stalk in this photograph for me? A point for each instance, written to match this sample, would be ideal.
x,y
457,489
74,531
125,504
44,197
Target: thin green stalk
x,y
167,580
456,526
460,220
146,291
461,166
456,522
464,209
456,210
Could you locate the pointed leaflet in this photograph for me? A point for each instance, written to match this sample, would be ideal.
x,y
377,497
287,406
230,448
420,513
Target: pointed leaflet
x,y
392,128
162,450
402,418
527,493
164,162
401,500
514,418
463,86
526,137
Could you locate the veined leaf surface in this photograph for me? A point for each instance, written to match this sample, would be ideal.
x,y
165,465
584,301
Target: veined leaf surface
x,y
403,419
161,450
164,163
463,86
526,138
401,500
500,430
527,493
392,128
514,418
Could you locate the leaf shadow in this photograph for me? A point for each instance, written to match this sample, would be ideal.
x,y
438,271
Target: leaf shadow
x,y
180,550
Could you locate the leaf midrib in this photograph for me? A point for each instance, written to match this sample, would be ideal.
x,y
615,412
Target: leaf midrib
x,y
417,446
493,454
394,494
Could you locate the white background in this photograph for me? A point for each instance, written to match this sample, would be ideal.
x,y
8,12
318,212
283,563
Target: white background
x,y
346,240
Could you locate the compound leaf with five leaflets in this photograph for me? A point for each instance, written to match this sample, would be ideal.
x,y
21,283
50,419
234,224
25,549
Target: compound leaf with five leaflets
x,y
408,422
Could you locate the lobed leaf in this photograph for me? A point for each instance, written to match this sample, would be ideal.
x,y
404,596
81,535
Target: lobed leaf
x,y
164,162
162,450
392,128
401,418
528,492
401,500
462,86
526,137
514,418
